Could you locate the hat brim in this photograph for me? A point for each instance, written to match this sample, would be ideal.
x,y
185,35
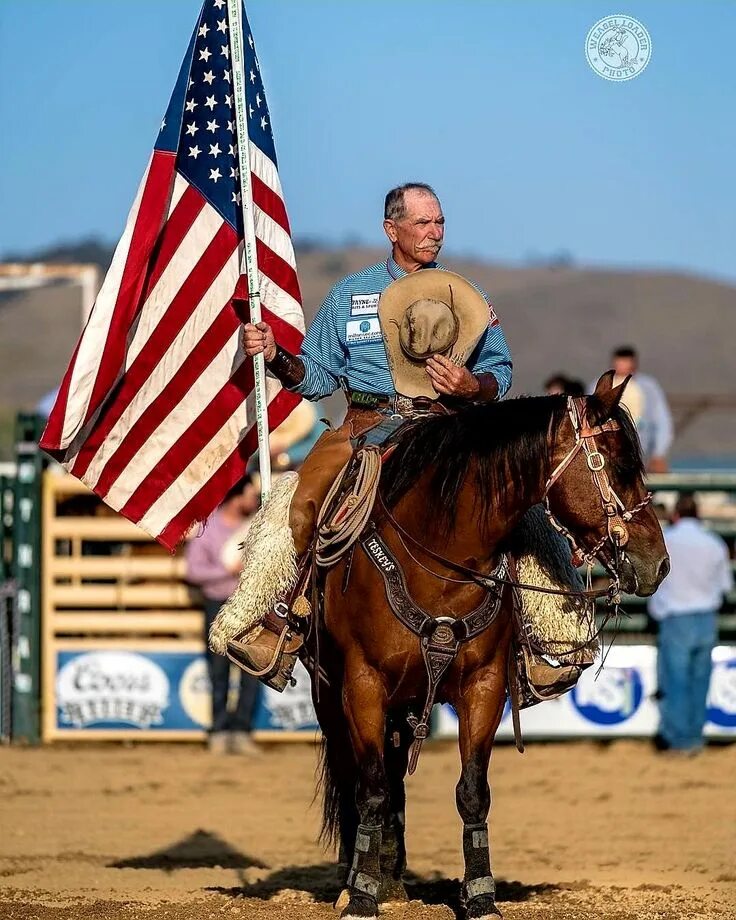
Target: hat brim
x,y
410,376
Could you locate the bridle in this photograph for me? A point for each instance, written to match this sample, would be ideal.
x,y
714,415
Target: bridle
x,y
616,515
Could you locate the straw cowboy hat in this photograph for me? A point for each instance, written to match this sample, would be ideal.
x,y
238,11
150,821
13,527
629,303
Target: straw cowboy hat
x,y
429,312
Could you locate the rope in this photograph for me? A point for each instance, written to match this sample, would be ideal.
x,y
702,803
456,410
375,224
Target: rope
x,y
339,527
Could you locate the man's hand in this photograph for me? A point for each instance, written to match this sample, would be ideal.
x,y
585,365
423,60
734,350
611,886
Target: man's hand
x,y
658,465
451,380
259,339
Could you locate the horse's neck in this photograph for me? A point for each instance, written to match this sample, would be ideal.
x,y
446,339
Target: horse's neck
x,y
475,537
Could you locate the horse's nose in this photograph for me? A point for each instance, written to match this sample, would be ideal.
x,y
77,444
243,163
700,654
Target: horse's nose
x,y
664,569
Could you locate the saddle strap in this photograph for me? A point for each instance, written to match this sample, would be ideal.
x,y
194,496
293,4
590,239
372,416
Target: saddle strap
x,y
440,637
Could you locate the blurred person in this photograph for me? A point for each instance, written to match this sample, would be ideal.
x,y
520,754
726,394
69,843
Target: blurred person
x,y
213,565
686,607
561,385
295,437
647,404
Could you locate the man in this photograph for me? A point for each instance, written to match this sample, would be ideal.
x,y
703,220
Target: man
x,y
213,565
344,347
686,607
645,400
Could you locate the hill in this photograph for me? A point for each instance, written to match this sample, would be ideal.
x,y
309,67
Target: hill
x,y
555,319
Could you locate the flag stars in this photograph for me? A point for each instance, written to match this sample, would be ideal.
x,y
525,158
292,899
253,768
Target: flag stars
x,y
210,103
264,122
190,84
226,76
222,25
194,151
234,172
209,77
192,128
225,51
231,126
250,40
252,76
205,55
232,150
228,100
215,174
258,100
236,197
250,110
204,30
191,105
219,4
212,126
215,150
163,125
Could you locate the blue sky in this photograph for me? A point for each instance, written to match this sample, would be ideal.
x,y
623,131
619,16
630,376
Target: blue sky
x,y
491,101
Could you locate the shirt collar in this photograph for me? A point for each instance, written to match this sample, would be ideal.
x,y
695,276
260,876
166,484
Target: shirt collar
x,y
395,270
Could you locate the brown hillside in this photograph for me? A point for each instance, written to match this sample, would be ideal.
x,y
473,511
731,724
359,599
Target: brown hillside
x,y
560,319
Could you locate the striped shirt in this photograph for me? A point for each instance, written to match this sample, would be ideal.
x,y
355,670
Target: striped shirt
x,y
344,341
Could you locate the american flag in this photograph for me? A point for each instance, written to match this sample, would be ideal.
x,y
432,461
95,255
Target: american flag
x,y
156,411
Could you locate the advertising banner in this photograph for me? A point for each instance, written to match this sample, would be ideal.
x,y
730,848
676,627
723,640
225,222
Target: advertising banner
x,y
290,711
617,702
103,689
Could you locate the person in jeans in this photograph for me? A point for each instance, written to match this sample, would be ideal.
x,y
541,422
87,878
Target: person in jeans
x,y
213,565
686,607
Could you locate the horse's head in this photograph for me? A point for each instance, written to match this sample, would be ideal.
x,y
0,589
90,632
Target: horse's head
x,y
596,490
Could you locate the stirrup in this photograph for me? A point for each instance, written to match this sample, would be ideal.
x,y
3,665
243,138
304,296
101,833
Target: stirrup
x,y
277,674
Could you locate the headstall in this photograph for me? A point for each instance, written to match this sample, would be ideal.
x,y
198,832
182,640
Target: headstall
x,y
616,515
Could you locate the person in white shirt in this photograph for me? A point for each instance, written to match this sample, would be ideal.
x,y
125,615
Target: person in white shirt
x,y
686,607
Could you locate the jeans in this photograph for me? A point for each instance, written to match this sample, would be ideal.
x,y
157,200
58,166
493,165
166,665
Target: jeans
x,y
683,674
218,667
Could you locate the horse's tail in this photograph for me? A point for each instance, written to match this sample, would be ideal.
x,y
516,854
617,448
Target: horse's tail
x,y
337,776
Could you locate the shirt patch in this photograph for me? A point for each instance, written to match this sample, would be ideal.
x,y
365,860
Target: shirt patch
x,y
364,304
362,331
493,321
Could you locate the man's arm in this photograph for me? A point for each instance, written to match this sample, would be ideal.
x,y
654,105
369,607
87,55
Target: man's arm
x,y
661,418
315,372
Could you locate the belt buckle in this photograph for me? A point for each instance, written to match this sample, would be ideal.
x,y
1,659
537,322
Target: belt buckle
x,y
403,405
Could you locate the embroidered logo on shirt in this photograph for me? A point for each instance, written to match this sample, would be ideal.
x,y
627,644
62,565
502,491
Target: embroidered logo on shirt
x,y
362,331
364,304
493,321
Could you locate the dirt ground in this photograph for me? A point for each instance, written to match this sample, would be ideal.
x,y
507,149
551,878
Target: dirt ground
x,y
168,831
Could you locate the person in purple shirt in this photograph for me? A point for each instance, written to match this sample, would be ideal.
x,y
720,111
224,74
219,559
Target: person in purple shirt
x,y
213,565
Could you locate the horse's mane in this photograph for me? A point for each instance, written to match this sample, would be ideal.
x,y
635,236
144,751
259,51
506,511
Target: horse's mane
x,y
502,442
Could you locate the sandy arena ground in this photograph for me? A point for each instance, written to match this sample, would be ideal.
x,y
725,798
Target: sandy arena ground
x,y
167,831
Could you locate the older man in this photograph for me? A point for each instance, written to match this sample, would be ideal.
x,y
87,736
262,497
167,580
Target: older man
x,y
344,347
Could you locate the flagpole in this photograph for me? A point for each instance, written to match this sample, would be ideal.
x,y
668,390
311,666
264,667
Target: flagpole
x,y
250,257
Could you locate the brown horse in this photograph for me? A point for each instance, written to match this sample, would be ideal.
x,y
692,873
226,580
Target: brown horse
x,y
457,485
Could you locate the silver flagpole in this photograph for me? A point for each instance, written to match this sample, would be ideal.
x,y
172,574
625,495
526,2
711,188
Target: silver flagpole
x,y
250,258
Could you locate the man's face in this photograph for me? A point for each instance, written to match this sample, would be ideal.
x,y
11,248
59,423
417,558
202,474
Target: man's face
x,y
624,366
419,234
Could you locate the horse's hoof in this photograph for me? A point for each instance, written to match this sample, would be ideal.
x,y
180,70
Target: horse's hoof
x,y
482,908
392,894
359,908
342,899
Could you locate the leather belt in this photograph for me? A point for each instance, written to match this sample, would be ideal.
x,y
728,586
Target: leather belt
x,y
401,405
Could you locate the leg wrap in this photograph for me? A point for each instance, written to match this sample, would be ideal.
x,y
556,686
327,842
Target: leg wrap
x,y
364,877
478,877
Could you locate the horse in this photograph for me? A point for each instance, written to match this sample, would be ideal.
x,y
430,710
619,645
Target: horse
x,y
451,492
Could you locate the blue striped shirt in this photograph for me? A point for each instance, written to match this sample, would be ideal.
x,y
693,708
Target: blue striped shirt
x,y
344,340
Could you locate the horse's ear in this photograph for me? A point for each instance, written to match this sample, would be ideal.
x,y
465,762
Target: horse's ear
x,y
606,397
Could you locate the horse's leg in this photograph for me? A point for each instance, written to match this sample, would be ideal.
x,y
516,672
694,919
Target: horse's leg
x,y
393,848
364,700
479,707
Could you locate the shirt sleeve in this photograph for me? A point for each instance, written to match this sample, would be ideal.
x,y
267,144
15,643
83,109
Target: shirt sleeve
x,y
203,566
492,355
661,419
322,353
725,574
